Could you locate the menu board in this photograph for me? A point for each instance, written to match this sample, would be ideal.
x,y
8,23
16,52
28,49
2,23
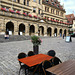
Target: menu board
x,y
67,39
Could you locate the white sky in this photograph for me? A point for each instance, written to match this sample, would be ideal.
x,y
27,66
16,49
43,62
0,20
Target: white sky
x,y
69,6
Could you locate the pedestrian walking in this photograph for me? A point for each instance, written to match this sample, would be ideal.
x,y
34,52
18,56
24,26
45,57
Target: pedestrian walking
x,y
63,36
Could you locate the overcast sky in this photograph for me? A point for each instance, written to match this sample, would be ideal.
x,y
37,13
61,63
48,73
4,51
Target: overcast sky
x,y
69,6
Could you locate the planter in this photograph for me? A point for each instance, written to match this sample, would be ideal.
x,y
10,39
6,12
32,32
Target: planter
x,y
36,49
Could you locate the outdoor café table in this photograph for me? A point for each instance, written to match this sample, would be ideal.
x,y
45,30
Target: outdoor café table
x,y
65,68
35,59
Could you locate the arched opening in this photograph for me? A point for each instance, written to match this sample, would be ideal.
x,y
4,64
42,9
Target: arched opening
x,y
49,31
55,32
41,31
9,28
60,32
32,30
65,32
21,29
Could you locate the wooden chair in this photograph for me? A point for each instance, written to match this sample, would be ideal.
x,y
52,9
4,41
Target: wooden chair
x,y
22,66
46,64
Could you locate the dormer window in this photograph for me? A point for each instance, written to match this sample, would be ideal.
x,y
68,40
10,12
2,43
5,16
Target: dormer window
x,y
46,0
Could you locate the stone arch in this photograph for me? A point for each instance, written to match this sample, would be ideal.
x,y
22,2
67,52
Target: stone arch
x,y
60,32
55,32
21,29
65,32
49,31
41,31
32,30
10,28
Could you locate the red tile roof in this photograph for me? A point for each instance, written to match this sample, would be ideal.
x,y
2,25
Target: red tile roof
x,y
70,18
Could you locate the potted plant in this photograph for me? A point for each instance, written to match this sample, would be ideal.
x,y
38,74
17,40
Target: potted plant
x,y
36,42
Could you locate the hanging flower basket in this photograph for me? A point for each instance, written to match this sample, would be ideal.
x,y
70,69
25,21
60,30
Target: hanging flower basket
x,y
3,9
18,12
30,15
24,14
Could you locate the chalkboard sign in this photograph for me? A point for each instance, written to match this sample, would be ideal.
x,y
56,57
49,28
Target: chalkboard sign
x,y
67,38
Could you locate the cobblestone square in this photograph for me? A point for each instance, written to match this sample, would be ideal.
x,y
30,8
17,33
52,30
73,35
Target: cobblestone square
x,y
9,51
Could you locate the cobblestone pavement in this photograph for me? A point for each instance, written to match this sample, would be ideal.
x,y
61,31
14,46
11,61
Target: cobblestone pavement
x,y
8,52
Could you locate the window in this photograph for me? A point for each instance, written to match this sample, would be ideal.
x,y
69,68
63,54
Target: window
x,y
57,12
34,0
52,11
61,14
39,11
47,9
18,1
27,3
14,0
24,2
39,2
34,10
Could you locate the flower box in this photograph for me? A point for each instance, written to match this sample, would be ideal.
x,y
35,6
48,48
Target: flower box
x,y
52,20
24,14
30,15
18,12
48,19
60,22
35,16
3,9
12,11
44,18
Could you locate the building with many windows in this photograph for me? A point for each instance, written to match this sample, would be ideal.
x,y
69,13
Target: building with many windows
x,y
32,17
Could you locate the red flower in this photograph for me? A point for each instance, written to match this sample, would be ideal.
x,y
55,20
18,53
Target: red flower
x,y
44,18
60,22
25,14
3,9
30,15
35,16
48,19
11,10
52,20
18,12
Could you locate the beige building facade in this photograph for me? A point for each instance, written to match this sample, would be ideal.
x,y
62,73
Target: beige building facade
x,y
32,17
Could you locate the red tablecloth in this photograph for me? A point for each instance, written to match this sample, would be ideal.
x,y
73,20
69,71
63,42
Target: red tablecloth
x,y
35,59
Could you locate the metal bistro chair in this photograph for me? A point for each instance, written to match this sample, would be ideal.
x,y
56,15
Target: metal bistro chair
x,y
31,53
22,66
46,64
55,60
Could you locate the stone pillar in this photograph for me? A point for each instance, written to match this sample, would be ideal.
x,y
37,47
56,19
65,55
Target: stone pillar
x,y
27,29
52,32
67,34
36,30
2,27
40,31
26,2
16,27
45,30
58,33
